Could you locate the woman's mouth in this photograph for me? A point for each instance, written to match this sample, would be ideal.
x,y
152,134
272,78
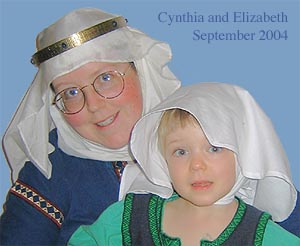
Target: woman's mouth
x,y
108,121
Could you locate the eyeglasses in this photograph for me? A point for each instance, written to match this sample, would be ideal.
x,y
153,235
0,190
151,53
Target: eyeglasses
x,y
108,85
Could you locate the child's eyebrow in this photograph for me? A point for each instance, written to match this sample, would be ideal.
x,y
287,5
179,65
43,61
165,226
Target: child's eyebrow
x,y
173,141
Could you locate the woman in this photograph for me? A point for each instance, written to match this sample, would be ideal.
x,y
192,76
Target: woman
x,y
67,143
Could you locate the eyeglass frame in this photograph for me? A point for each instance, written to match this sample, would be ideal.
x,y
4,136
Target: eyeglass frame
x,y
122,75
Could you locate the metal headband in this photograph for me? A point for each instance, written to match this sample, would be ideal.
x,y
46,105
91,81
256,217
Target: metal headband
x,y
77,39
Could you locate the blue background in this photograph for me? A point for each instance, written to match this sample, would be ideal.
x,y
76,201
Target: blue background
x,y
268,69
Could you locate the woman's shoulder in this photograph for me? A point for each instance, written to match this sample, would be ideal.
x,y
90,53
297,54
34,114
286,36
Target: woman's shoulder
x,y
292,223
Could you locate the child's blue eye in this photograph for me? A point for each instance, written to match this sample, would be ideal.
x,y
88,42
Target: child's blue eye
x,y
214,149
180,152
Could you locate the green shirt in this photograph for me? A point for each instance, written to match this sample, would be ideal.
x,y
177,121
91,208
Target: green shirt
x,y
107,231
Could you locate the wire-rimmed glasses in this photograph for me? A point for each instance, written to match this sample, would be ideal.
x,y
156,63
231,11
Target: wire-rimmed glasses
x,y
108,85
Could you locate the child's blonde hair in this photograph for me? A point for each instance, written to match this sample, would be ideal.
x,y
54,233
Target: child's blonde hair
x,y
172,119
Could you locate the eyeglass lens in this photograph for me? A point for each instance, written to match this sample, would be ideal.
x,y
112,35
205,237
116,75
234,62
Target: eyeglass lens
x,y
108,85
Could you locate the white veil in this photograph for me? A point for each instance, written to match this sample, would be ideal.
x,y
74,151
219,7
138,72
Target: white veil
x,y
26,137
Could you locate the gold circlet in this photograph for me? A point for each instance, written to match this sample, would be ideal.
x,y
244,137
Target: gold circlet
x,y
77,39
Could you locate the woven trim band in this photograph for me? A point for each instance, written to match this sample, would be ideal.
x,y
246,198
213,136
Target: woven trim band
x,y
77,39
31,196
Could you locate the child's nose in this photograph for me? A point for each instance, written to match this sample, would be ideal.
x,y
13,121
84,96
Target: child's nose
x,y
198,164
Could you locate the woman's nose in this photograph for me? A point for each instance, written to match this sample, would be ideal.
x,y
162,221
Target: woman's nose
x,y
93,100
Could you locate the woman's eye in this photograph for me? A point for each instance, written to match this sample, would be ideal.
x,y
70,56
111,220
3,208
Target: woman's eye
x,y
214,149
180,152
105,77
71,93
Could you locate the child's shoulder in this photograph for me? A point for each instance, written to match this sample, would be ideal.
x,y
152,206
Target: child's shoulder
x,y
115,210
276,235
110,217
105,230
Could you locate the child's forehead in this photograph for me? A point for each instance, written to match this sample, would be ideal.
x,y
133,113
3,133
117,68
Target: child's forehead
x,y
178,115
182,125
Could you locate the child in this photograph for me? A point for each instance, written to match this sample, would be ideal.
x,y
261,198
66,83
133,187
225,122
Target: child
x,y
210,163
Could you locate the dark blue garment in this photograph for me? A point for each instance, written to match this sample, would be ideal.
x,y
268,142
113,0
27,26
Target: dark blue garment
x,y
292,223
142,224
80,188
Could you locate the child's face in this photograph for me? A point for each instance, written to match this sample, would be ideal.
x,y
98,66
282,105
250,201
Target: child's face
x,y
105,121
200,172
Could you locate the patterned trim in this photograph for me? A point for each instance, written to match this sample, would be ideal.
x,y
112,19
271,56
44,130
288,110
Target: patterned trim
x,y
261,227
230,228
126,219
119,168
155,215
31,196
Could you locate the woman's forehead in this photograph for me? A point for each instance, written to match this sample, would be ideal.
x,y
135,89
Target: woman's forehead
x,y
87,72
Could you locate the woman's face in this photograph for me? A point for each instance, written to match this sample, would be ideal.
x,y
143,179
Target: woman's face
x,y
105,121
